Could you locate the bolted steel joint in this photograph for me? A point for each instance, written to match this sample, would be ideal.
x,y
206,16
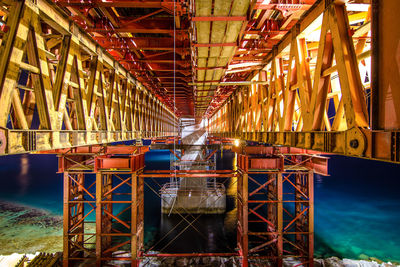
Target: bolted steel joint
x,y
354,143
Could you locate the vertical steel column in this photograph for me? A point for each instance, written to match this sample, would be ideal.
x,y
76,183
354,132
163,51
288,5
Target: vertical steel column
x,y
78,204
81,207
239,213
137,215
99,218
279,216
66,219
134,220
272,212
107,224
240,210
298,205
140,223
120,192
245,198
311,218
104,203
275,207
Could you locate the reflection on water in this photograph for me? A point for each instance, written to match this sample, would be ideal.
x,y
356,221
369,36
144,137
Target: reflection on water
x,y
231,214
318,180
24,177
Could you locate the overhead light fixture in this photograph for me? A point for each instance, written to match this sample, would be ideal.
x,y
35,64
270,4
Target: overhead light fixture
x,y
241,65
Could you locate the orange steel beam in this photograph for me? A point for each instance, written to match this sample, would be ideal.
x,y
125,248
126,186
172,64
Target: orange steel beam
x,y
237,18
98,196
267,242
189,255
76,90
211,154
173,152
128,29
120,3
99,150
309,102
187,171
191,175
215,45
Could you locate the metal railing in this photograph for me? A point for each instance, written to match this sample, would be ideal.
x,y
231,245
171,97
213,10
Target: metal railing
x,y
173,188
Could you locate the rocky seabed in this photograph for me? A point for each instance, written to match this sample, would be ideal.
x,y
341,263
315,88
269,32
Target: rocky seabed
x,y
234,262
11,260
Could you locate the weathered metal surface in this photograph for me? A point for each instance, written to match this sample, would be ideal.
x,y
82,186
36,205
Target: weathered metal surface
x,y
60,89
287,193
310,102
94,242
183,146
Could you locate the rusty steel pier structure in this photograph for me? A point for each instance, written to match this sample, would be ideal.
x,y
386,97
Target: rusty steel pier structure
x,y
282,83
277,221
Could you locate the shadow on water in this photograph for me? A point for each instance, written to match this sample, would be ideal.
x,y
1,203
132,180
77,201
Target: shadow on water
x,y
185,233
197,233
189,233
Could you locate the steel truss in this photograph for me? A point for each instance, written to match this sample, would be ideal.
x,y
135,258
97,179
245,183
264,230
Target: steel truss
x,y
276,212
108,190
318,90
60,89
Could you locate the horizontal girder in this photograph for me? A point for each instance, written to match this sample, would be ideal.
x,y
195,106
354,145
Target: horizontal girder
x,y
320,91
122,69
60,89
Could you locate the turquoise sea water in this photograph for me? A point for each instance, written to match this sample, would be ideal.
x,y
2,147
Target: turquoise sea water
x,y
357,207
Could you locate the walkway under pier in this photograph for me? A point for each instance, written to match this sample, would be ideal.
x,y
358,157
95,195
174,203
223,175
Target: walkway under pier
x,y
193,195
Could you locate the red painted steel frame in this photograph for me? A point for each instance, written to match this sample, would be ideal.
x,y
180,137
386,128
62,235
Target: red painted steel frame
x,y
285,231
99,149
165,255
276,221
93,176
90,183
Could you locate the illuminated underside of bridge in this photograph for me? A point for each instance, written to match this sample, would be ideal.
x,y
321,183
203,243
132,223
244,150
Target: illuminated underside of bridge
x,y
293,78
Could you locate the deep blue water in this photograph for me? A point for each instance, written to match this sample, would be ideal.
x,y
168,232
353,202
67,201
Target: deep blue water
x,y
357,207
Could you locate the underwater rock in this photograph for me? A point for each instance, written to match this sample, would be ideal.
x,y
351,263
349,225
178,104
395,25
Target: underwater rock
x,y
181,262
168,261
288,262
28,230
333,262
206,260
20,214
363,257
375,259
